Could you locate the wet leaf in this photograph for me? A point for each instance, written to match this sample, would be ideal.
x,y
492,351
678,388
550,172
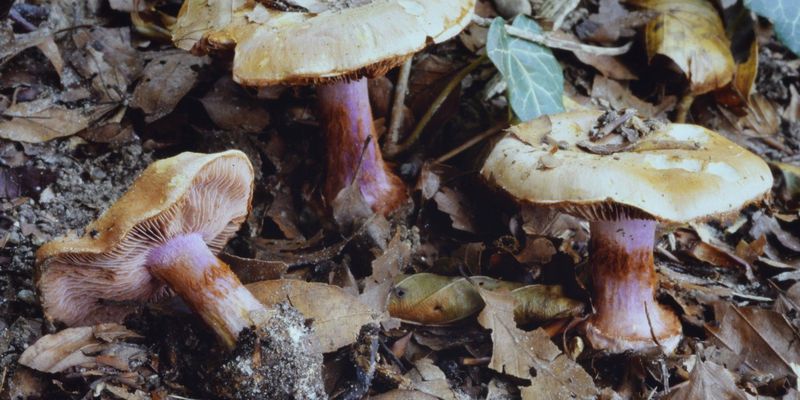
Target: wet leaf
x,y
431,299
337,316
708,381
690,32
785,17
165,80
534,77
763,337
531,355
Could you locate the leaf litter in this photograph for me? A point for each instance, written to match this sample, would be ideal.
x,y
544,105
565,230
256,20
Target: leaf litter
x,y
87,101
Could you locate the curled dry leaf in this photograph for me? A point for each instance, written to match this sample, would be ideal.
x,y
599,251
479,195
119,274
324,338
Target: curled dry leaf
x,y
531,355
337,316
165,80
690,33
763,337
426,377
437,300
82,346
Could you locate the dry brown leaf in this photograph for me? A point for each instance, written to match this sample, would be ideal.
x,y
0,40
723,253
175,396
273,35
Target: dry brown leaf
x,y
165,80
282,212
42,120
744,77
531,355
619,97
708,381
107,59
385,268
611,21
764,224
232,109
337,315
402,394
77,347
426,377
763,337
790,183
690,33
455,204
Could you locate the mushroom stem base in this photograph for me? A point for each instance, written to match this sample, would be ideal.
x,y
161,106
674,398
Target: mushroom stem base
x,y
624,279
207,285
347,121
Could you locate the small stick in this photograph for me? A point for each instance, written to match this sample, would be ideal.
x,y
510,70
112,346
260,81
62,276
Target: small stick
x,y
400,90
497,128
549,40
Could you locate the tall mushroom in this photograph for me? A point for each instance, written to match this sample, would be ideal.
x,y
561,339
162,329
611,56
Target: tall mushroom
x,y
624,178
162,235
335,45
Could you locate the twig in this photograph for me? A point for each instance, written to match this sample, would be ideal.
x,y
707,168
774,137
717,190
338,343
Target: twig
x,y
652,332
440,99
497,128
549,40
400,90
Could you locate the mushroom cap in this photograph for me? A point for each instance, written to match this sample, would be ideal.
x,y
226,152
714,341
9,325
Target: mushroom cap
x,y
676,174
99,277
277,47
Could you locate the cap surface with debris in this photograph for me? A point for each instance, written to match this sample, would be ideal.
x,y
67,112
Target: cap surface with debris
x,y
306,42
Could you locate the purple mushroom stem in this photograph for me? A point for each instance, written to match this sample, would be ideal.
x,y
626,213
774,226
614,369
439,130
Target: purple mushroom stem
x,y
347,122
206,284
624,282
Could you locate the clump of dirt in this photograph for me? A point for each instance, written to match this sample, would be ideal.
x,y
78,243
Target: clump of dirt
x,y
275,361
87,179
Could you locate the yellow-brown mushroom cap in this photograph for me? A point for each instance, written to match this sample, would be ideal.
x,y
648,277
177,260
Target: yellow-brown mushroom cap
x,y
101,276
343,40
676,174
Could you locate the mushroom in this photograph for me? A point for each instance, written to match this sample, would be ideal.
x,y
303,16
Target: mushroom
x,y
161,236
674,173
335,45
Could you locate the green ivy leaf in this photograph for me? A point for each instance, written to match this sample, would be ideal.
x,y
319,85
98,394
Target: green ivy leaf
x,y
785,17
534,78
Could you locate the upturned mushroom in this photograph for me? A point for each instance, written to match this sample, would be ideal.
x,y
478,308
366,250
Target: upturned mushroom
x,y
625,176
335,45
161,236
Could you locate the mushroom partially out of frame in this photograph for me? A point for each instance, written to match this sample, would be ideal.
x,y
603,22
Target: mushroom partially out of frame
x,y
624,178
162,236
335,45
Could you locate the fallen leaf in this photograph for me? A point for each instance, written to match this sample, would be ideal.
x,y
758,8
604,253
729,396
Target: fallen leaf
x,y
456,205
401,394
165,80
107,59
708,381
531,355
620,97
763,337
232,109
431,299
42,120
611,22
385,268
282,212
690,33
426,377
337,316
609,66
73,347
790,183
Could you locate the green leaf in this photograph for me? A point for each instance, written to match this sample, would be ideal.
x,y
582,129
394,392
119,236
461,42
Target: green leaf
x,y
785,17
534,78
